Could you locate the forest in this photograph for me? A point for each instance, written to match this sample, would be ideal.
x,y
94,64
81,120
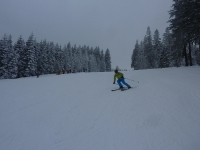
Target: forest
x,y
30,58
179,45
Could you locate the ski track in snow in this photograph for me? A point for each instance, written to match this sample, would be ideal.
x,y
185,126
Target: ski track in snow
x,y
80,112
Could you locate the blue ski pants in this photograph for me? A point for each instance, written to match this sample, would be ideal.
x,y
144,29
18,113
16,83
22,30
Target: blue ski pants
x,y
123,81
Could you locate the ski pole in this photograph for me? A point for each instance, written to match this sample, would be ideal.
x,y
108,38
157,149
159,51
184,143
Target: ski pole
x,y
131,80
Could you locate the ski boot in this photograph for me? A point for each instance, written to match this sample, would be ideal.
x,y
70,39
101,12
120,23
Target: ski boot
x,y
121,87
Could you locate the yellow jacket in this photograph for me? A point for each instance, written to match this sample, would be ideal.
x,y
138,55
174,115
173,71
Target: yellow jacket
x,y
118,75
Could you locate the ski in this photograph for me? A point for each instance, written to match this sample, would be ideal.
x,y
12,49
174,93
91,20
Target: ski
x,y
123,89
115,89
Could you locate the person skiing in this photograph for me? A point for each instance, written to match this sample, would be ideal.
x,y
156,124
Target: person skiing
x,y
120,78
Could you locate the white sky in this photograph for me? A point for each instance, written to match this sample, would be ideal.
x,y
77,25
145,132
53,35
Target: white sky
x,y
112,24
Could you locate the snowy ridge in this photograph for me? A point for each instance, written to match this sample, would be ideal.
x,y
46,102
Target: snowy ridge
x,y
79,111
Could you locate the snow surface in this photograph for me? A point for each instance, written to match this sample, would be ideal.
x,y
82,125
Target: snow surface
x,y
79,111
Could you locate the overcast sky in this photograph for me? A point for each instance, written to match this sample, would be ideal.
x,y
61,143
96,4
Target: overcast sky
x,y
112,24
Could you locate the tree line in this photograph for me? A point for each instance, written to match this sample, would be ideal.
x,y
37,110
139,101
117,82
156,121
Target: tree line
x,y
179,44
24,59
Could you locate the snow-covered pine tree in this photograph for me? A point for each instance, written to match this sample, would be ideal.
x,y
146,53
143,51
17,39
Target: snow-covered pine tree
x,y
42,57
166,51
48,59
184,23
12,60
1,59
74,58
102,62
36,50
45,54
157,47
90,52
148,48
142,57
144,61
39,58
92,64
78,63
89,63
69,57
132,59
30,67
135,59
19,48
4,53
97,57
108,60
62,58
186,18
51,58
65,56
85,58
59,58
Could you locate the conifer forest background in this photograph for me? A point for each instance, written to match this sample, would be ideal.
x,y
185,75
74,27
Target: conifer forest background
x,y
24,59
179,46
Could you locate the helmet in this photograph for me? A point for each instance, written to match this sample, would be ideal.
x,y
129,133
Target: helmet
x,y
116,71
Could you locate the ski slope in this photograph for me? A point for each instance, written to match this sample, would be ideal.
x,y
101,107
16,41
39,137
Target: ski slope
x,y
79,111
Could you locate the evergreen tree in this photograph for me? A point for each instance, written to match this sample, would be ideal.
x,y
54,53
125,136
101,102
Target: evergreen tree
x,y
4,57
8,59
19,48
51,58
59,60
185,24
157,47
69,57
78,63
165,57
42,58
36,50
74,58
27,59
30,67
1,59
97,57
12,60
144,61
135,57
65,56
148,48
108,60
85,58
92,64
102,62
48,59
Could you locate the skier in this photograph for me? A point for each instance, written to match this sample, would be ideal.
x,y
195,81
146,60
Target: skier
x,y
120,78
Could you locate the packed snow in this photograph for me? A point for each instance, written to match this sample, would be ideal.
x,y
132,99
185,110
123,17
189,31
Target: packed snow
x,y
80,112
